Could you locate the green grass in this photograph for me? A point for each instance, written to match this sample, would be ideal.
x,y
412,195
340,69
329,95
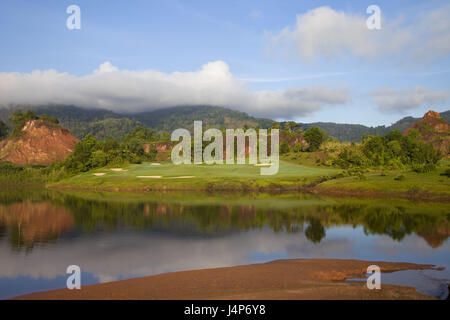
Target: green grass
x,y
432,182
203,175
247,178
283,200
311,159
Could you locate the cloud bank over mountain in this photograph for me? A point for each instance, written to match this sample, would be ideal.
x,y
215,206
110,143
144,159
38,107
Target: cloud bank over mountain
x,y
130,91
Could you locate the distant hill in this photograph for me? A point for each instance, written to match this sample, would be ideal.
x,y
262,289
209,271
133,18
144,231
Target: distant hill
x,y
354,132
104,123
346,132
184,116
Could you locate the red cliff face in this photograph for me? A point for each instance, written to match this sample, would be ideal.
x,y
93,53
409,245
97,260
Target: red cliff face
x,y
435,130
39,144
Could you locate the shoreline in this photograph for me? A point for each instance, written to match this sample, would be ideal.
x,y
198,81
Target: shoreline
x,y
288,279
274,188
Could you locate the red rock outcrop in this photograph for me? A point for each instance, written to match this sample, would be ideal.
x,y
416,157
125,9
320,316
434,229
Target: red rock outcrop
x,y
38,144
435,130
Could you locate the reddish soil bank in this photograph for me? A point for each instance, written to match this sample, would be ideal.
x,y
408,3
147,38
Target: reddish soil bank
x,y
281,279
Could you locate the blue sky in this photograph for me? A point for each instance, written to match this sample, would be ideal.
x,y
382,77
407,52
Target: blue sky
x,y
326,67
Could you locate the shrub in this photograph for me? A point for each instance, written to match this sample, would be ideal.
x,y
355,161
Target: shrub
x,y
298,147
315,137
424,168
362,177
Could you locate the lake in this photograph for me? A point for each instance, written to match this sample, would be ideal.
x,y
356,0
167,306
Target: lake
x,y
114,236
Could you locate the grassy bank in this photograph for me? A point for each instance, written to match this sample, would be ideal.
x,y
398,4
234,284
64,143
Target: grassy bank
x,y
433,185
246,178
167,176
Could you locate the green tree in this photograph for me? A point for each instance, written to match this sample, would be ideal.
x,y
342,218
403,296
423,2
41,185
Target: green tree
x,y
295,127
284,148
164,136
51,119
298,147
19,119
315,137
276,125
287,127
109,144
373,148
98,159
134,145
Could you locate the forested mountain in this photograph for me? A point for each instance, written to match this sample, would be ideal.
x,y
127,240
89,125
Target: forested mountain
x,y
184,116
80,121
104,123
346,132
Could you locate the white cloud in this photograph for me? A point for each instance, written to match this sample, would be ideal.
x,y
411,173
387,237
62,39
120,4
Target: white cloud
x,y
105,67
433,34
302,77
327,33
392,100
130,91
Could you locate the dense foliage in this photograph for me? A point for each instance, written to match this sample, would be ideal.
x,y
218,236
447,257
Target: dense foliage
x,y
391,150
173,118
20,118
315,137
91,153
15,174
102,129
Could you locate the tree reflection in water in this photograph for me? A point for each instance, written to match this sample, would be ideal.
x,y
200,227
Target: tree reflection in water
x,y
29,217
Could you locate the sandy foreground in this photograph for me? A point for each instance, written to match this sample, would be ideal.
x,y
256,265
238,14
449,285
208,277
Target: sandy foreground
x,y
280,279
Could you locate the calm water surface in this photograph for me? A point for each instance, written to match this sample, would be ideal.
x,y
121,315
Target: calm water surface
x,y
117,236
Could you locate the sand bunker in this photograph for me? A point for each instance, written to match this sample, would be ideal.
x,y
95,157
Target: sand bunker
x,y
99,174
154,177
118,169
156,164
263,165
183,177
